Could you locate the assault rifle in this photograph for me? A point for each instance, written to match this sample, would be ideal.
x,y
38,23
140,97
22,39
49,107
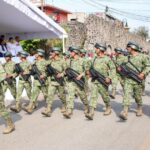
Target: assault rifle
x,y
130,73
99,77
53,72
36,73
72,75
20,71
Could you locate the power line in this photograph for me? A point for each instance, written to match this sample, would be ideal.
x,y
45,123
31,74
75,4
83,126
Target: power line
x,y
118,12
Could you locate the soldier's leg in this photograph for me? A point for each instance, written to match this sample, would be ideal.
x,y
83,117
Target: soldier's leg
x,y
93,100
62,96
83,96
34,95
44,90
114,86
71,90
128,90
50,98
12,89
137,94
143,88
17,107
105,96
5,114
28,89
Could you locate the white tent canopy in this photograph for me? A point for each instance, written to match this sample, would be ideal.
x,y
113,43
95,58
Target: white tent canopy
x,y
24,19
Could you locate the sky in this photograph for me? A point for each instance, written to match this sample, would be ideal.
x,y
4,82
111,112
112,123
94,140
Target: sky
x,y
136,7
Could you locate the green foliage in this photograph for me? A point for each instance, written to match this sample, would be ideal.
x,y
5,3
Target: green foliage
x,y
142,31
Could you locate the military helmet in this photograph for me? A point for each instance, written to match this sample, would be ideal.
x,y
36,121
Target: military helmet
x,y
66,54
74,49
83,51
56,50
134,45
23,54
101,46
118,50
41,52
8,54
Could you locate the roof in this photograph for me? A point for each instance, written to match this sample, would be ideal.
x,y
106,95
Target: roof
x,y
24,19
57,8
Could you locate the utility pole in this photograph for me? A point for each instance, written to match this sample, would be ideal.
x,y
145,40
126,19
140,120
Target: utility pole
x,y
42,5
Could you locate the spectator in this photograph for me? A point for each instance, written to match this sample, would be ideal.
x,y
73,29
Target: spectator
x,y
3,47
18,46
11,46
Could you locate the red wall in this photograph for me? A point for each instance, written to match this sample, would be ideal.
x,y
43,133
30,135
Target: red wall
x,y
59,17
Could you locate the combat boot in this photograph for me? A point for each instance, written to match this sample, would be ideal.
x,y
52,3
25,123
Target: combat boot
x,y
107,111
139,112
124,114
113,94
29,109
17,107
68,113
90,115
86,109
9,126
63,108
48,111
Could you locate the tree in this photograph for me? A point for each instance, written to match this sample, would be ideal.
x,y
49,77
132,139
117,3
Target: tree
x,y
142,31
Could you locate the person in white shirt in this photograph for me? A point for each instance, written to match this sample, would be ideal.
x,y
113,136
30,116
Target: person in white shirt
x,y
11,46
18,46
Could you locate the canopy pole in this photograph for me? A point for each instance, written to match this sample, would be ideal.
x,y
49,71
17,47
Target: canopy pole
x,y
63,41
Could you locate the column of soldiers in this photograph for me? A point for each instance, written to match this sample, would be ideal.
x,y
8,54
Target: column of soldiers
x,y
70,76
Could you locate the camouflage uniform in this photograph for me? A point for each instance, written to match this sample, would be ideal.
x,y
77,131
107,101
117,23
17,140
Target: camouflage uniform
x,y
54,86
118,60
72,88
131,87
22,84
9,68
3,112
37,87
104,65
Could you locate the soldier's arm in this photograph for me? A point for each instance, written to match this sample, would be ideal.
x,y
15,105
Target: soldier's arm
x,y
146,64
112,68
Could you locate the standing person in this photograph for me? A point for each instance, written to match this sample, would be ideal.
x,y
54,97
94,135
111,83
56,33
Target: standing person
x,y
24,81
3,112
103,64
40,81
11,46
18,47
10,82
140,64
59,65
75,63
118,60
3,47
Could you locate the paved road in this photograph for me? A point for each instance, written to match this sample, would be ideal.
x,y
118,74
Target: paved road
x,y
34,132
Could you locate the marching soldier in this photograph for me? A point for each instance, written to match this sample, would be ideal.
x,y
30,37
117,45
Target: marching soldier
x,y
10,81
140,64
59,65
3,112
24,81
40,80
102,64
75,63
118,60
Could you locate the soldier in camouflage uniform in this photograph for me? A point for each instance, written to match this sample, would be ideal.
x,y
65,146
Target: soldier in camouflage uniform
x,y
3,112
41,64
131,87
118,60
23,83
76,63
10,82
59,64
102,64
